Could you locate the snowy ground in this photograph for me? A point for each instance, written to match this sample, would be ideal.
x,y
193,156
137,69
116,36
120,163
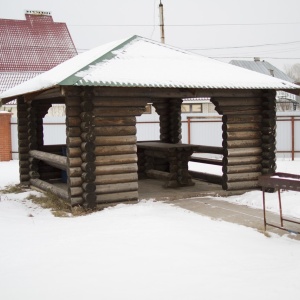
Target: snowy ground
x,y
150,250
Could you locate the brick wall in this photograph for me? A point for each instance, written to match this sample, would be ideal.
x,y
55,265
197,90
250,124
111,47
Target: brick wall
x,y
5,136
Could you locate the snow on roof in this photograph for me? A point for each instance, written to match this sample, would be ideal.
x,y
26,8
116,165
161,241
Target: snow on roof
x,y
140,62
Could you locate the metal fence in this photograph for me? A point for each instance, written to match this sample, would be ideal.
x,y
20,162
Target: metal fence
x,y
200,130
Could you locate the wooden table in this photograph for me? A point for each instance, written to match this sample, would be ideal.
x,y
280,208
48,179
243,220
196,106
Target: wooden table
x,y
165,161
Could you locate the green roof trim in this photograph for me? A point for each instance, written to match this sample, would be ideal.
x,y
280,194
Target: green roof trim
x,y
74,80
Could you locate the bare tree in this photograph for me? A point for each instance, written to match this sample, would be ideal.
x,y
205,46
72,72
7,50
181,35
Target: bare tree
x,y
293,71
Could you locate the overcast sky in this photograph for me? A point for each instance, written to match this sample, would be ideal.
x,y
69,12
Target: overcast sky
x,y
241,29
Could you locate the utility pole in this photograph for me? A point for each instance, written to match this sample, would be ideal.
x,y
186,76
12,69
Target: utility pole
x,y
161,21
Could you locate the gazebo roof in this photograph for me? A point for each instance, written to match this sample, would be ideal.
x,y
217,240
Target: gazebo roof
x,y
140,62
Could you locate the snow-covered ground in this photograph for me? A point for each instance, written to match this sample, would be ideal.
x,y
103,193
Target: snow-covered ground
x,y
150,250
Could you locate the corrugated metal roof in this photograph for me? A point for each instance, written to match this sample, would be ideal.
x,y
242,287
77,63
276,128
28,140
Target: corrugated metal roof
x,y
140,62
34,44
11,79
262,67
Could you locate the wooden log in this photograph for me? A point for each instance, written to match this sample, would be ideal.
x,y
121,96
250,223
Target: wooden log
x,y
213,178
74,152
119,111
115,130
76,201
88,146
88,177
73,141
115,149
238,101
88,157
241,176
172,92
75,191
208,149
242,143
88,167
116,188
24,177
116,159
90,200
114,121
45,186
242,168
241,127
73,121
237,109
75,181
73,111
88,136
209,161
74,172
87,106
117,197
255,151
232,119
241,185
74,162
73,100
116,169
246,160
156,174
115,140
89,187
51,159
120,101
116,178
241,135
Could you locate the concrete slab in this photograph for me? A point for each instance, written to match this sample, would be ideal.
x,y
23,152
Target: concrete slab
x,y
196,199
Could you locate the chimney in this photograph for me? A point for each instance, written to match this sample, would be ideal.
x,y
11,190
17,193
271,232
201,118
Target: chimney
x,y
256,59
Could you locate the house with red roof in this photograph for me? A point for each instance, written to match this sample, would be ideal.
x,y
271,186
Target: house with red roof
x,y
30,47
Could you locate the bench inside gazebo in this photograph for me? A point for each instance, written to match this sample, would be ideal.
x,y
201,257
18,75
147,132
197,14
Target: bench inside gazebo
x,y
106,88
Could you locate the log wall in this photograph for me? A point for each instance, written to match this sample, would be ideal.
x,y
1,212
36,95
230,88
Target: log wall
x,y
248,139
101,143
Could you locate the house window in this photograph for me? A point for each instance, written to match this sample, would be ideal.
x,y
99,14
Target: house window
x,y
191,108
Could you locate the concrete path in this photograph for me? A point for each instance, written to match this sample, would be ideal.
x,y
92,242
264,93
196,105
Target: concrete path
x,y
202,198
234,213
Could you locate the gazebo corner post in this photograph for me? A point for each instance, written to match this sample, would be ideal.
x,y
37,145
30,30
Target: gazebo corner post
x,y
73,145
175,121
268,132
88,148
114,128
23,141
162,108
241,139
169,111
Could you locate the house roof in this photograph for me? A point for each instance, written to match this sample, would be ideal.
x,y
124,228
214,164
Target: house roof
x,y
140,62
36,44
11,79
262,67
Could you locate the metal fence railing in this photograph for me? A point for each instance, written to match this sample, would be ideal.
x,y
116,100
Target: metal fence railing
x,y
200,130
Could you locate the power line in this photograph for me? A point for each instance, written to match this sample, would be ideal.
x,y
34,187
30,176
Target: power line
x,y
248,46
184,25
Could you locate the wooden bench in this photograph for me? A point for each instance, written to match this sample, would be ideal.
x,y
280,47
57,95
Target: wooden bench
x,y
165,161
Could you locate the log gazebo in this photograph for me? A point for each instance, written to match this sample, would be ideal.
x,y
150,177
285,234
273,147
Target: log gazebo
x,y
106,88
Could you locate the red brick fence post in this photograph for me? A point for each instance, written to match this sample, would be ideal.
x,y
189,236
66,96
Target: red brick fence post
x,y
5,136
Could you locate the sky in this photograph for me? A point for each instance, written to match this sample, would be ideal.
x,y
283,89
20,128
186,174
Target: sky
x,y
225,30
